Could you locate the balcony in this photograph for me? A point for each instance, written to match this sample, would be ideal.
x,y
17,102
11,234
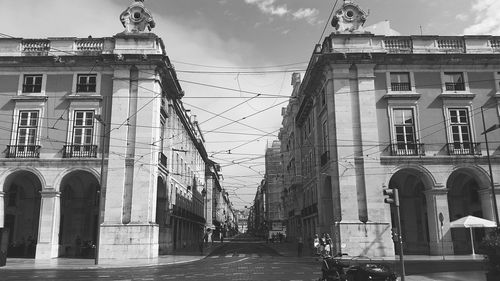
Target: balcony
x,y
454,86
398,45
23,151
80,151
86,88
400,87
325,157
464,148
162,159
407,149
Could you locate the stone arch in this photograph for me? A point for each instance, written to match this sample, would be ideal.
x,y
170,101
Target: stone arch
x,y
6,174
79,213
412,182
57,181
427,177
22,201
468,194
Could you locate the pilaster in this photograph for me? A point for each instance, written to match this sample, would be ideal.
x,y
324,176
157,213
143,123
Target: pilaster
x,y
439,232
2,209
48,231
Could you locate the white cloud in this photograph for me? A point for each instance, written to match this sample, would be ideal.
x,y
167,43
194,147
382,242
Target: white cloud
x,y
310,15
270,7
486,19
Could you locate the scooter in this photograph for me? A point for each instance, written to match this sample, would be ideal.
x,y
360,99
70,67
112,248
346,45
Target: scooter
x,y
338,269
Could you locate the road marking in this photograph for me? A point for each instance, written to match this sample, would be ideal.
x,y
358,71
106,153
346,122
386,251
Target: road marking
x,y
241,255
231,262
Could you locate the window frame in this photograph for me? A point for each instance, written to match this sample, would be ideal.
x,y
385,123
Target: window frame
x,y
392,125
22,78
407,74
411,76
470,125
76,75
465,77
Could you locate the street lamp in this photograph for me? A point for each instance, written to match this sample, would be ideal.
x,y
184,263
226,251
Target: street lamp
x,y
98,117
485,133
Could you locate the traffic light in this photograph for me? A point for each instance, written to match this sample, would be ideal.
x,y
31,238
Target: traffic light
x,y
394,234
392,196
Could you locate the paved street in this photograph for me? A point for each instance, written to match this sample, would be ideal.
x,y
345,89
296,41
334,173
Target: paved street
x,y
243,260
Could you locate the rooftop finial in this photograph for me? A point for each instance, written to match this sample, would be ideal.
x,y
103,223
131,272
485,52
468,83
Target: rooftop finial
x,y
349,18
136,18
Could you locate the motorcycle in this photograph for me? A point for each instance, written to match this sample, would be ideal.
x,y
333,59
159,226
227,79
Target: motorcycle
x,y
357,269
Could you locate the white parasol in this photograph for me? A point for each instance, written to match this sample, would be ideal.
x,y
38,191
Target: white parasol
x,y
472,222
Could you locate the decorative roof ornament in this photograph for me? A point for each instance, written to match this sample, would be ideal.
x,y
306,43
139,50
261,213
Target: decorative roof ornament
x,y
349,18
136,18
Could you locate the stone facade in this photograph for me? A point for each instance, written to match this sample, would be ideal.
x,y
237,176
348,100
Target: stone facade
x,y
99,148
401,112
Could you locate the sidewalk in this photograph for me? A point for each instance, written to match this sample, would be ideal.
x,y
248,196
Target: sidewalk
x,y
178,257
289,249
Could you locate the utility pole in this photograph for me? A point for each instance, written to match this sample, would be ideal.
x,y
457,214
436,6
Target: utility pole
x,y
393,199
494,198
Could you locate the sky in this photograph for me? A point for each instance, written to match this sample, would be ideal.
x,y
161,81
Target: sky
x,y
244,46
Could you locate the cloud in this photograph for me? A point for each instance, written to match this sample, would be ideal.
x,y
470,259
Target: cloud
x,y
310,15
486,19
270,7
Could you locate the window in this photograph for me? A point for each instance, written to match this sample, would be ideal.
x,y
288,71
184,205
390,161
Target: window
x,y
454,81
32,83
404,132
26,135
87,83
460,132
83,128
325,136
400,81
323,97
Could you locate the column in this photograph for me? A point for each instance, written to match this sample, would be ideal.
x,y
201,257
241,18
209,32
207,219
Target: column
x,y
2,209
486,198
440,236
48,229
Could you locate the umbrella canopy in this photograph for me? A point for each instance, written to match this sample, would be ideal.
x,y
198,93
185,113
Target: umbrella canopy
x,y
471,221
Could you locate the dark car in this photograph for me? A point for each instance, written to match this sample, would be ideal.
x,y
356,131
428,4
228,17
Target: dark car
x,y
370,271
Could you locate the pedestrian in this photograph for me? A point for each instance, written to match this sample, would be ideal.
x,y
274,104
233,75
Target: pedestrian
x,y
222,237
322,244
205,237
316,243
328,244
300,245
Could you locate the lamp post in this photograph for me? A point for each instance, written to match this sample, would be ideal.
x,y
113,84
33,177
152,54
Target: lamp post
x,y
485,133
99,192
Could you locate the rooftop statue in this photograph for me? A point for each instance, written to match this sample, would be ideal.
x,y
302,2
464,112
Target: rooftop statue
x,y
349,18
136,18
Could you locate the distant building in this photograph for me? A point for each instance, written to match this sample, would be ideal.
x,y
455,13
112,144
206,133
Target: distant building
x,y
273,187
404,112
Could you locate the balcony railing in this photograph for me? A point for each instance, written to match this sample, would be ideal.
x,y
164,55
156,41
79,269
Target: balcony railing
x,y
451,45
407,149
464,148
80,151
325,157
398,45
454,86
400,87
23,151
86,88
162,159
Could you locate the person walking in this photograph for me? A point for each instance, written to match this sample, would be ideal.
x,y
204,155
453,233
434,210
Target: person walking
x,y
300,245
316,244
328,246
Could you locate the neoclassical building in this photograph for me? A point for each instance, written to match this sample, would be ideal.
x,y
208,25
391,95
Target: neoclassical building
x,y
405,112
98,148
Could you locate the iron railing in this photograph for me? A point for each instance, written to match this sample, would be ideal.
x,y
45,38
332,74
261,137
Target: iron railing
x,y
400,87
454,86
464,148
23,151
80,151
407,149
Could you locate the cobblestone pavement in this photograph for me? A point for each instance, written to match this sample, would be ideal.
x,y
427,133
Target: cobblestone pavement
x,y
239,260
